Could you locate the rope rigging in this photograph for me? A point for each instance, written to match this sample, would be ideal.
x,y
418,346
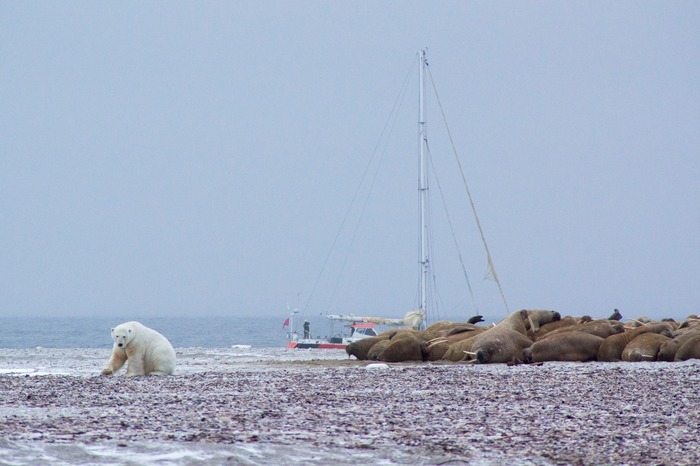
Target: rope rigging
x,y
489,260
452,231
365,188
379,148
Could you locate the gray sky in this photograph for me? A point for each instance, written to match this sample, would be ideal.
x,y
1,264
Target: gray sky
x,y
173,158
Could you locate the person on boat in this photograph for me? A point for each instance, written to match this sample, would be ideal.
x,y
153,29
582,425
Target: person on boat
x,y
307,334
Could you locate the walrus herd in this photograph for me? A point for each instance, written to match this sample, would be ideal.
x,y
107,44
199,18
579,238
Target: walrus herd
x,y
535,336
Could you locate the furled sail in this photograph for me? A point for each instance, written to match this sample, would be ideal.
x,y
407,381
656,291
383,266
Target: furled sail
x,y
412,319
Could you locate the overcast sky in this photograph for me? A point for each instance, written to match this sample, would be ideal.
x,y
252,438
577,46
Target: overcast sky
x,y
169,158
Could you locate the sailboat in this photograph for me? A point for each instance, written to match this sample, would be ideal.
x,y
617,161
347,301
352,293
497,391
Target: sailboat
x,y
358,327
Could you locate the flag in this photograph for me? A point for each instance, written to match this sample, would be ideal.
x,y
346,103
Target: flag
x,y
286,323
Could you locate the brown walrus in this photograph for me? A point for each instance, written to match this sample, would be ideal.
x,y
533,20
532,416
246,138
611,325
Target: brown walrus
x,y
458,332
459,350
644,347
641,320
668,350
613,346
499,346
360,348
551,326
569,346
407,348
404,347
690,322
377,348
689,350
500,341
438,347
438,329
600,327
436,350
537,318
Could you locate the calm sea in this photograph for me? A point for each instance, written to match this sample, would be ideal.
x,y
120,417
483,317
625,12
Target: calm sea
x,y
183,332
94,332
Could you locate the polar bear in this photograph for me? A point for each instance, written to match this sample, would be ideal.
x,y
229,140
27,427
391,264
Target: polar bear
x,y
148,352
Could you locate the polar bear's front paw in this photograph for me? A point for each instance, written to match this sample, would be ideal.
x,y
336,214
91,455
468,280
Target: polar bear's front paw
x,y
107,371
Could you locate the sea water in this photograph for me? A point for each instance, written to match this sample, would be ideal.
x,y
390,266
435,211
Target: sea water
x,y
182,332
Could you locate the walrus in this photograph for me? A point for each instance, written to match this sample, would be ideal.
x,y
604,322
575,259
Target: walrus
x,y
436,350
639,321
401,348
499,346
438,347
668,350
690,321
445,329
405,347
613,346
458,350
551,326
377,348
462,331
439,327
600,327
500,343
689,350
360,348
569,346
523,320
644,347
536,318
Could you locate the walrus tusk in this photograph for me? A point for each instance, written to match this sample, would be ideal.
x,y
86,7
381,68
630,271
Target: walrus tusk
x,y
437,341
533,326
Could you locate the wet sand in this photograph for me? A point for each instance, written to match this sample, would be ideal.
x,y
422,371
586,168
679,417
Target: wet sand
x,y
224,408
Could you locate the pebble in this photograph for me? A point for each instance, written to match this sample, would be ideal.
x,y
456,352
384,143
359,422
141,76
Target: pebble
x,y
376,366
556,413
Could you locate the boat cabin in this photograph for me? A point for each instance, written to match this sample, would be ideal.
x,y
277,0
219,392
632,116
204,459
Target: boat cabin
x,y
363,330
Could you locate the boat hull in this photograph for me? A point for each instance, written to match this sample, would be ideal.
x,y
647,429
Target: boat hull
x,y
315,345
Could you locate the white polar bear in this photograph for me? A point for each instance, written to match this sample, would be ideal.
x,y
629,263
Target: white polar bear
x,y
148,352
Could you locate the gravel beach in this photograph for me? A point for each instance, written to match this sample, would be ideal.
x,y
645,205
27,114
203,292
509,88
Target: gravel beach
x,y
243,406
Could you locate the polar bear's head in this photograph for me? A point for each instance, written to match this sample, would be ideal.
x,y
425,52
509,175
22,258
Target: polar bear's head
x,y
122,335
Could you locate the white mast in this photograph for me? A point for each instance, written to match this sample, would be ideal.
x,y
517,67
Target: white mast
x,y
423,189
